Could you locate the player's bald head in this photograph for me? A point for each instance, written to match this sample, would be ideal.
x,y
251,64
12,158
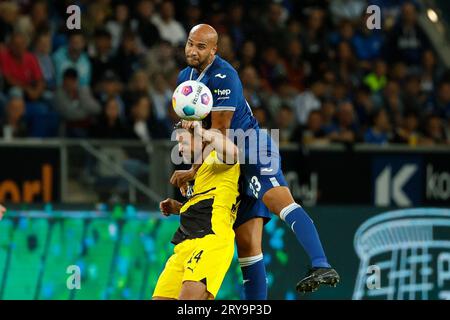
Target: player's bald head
x,y
201,46
204,33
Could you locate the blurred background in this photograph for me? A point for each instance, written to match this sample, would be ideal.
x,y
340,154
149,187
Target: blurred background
x,y
86,121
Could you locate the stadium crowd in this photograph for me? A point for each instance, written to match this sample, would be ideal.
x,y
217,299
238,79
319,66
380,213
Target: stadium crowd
x,y
310,68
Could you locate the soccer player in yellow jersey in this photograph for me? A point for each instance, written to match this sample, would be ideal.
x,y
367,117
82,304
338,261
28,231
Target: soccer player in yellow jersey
x,y
205,239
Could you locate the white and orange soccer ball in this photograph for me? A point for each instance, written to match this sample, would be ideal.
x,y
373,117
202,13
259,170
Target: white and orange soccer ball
x,y
192,100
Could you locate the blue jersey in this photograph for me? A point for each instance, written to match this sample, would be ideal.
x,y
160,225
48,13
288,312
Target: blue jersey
x,y
226,87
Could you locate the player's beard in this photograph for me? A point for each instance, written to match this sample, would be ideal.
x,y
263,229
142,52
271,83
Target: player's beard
x,y
196,63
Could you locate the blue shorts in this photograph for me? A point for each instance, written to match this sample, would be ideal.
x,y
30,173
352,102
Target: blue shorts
x,y
250,208
260,172
261,165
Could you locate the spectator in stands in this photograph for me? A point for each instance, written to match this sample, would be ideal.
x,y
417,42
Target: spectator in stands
x,y
101,55
161,96
262,115
14,125
20,67
160,60
94,18
314,41
138,85
75,104
117,25
251,84
110,87
9,12
408,132
379,132
169,29
313,132
430,72
412,96
347,9
238,27
434,131
295,65
145,28
273,31
143,126
346,129
226,51
345,33
193,15
439,103
42,51
109,125
128,56
406,41
73,56
248,54
368,44
272,68
377,79
286,124
345,65
309,100
364,105
328,112
392,102
36,22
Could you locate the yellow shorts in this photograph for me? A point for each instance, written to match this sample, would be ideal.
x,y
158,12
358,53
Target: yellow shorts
x,y
204,260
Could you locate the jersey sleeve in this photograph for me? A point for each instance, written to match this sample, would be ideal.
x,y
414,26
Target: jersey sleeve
x,y
182,76
226,91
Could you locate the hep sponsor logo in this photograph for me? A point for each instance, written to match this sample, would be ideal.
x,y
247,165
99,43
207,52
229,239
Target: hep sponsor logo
x,y
224,92
187,90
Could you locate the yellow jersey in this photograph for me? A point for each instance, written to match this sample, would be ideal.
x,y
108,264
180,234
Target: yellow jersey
x,y
213,205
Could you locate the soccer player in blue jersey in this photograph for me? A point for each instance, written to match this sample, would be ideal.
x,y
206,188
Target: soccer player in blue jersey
x,y
264,187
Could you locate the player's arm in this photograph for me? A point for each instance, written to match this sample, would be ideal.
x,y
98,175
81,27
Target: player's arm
x,y
226,150
221,120
170,206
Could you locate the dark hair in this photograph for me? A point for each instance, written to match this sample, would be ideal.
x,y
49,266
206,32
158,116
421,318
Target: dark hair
x,y
74,33
102,33
70,73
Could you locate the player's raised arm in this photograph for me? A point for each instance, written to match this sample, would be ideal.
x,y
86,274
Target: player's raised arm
x,y
226,150
227,92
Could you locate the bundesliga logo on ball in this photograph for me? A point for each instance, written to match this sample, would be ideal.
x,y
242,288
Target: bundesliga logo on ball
x,y
192,100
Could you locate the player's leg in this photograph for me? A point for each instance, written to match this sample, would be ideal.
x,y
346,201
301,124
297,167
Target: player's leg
x,y
248,240
279,200
207,266
169,283
194,290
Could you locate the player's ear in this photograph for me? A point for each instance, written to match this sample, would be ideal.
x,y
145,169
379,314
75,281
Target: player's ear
x,y
214,50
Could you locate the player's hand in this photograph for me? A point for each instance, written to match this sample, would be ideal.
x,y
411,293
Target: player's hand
x,y
183,189
2,211
169,206
182,177
188,124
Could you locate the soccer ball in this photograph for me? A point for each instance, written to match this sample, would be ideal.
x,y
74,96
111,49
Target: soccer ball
x,y
192,100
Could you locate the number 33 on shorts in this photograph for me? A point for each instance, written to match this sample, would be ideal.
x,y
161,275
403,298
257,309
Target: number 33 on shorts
x,y
255,186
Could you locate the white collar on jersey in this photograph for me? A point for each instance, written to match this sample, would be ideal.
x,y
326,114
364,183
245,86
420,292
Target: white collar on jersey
x,y
203,72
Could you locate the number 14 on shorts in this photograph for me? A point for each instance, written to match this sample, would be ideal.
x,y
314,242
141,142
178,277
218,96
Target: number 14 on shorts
x,y
193,261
